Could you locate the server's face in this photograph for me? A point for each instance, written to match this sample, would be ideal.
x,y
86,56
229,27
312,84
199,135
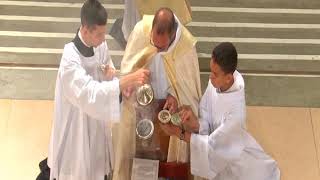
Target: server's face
x,y
95,35
219,79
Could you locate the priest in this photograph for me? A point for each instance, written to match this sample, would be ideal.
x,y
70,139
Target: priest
x,y
163,45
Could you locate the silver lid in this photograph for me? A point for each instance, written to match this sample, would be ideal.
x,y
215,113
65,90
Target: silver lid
x,y
164,116
175,119
145,128
144,94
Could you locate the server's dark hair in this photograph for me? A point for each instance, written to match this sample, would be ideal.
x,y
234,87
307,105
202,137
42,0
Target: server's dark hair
x,y
93,13
226,56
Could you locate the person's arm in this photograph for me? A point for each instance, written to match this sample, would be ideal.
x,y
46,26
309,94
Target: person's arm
x,y
210,154
109,70
97,99
171,104
191,122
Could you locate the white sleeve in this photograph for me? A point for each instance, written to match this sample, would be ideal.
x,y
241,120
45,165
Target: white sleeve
x,y
108,59
199,150
210,154
99,100
204,112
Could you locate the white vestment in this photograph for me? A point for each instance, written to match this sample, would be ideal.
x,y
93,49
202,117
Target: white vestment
x,y
85,106
175,72
223,149
159,80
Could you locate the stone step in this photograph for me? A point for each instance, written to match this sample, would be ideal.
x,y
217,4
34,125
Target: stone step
x,y
38,26
74,1
245,32
265,48
261,89
244,17
225,30
204,14
281,64
277,42
39,11
300,4
44,42
247,63
39,59
204,45
279,89
30,59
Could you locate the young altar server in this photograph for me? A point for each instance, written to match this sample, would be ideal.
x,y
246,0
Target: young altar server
x,y
220,146
87,102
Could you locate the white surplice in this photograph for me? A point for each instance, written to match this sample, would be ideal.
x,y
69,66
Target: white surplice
x,y
85,107
223,149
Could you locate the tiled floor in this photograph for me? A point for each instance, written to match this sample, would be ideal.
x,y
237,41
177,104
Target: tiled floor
x,y
5,108
26,126
287,134
290,135
315,115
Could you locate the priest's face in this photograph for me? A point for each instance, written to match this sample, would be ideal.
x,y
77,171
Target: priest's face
x,y
161,41
219,79
95,35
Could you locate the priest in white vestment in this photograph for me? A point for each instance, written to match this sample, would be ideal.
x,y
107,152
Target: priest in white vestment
x,y
220,146
165,47
87,102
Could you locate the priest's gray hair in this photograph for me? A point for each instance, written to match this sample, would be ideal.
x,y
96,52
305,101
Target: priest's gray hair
x,y
164,22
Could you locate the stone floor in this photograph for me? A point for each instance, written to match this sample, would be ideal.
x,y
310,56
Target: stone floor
x,y
290,135
277,42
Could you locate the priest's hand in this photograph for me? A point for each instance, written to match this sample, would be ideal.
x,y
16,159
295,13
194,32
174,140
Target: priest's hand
x,y
171,104
134,79
109,72
189,119
127,92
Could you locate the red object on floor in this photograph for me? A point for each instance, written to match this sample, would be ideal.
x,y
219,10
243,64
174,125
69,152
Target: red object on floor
x,y
174,170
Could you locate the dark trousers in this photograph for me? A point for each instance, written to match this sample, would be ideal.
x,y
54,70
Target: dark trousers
x,y
45,171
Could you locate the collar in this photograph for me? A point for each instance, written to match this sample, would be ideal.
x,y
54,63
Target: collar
x,y
237,85
81,46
